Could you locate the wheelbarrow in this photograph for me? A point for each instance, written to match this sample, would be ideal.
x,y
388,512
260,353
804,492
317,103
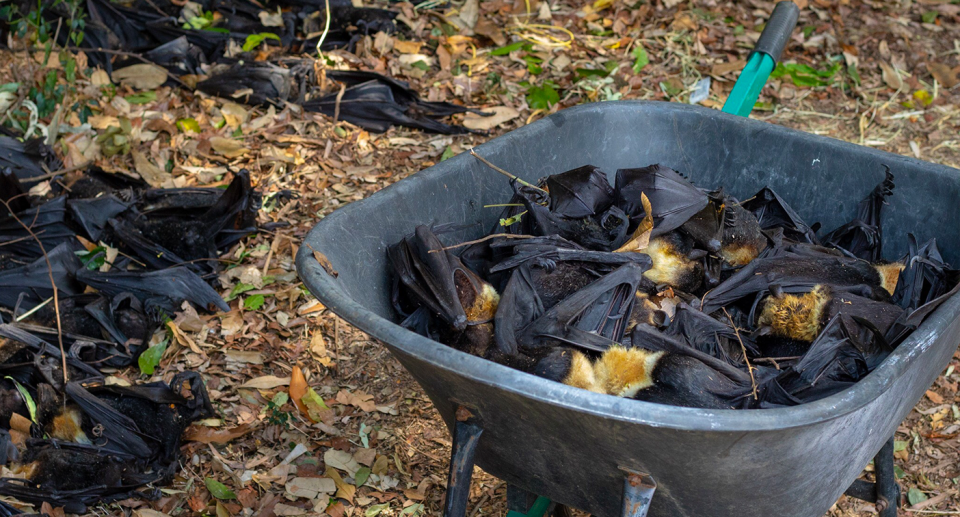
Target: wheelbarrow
x,y
609,456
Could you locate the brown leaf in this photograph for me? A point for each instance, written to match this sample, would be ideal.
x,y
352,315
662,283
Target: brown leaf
x,y
487,27
365,456
336,510
359,399
890,76
500,115
47,509
266,382
407,47
204,434
142,76
20,423
641,236
298,388
150,173
943,74
228,146
380,466
725,68
198,501
934,397
324,262
248,497
344,490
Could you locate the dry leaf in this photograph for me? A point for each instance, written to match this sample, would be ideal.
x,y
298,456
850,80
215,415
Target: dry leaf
x,y
341,460
365,456
890,76
490,29
943,74
641,236
298,388
150,173
20,423
146,512
100,77
934,397
231,323
141,76
359,400
228,147
237,356
501,115
234,114
380,466
720,69
310,488
407,47
344,490
183,339
324,262
470,13
266,382
203,434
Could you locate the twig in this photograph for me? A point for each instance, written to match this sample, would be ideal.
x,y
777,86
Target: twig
x,y
336,106
54,174
505,173
753,380
484,239
31,311
19,239
53,284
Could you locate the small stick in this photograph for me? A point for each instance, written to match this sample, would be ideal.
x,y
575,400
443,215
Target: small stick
x,y
746,359
484,239
505,173
53,284
57,173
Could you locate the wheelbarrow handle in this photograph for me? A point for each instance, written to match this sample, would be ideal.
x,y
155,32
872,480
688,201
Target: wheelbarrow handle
x,y
778,30
763,59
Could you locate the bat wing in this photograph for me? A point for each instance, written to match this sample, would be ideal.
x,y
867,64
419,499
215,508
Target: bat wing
x,y
581,192
33,280
167,288
863,236
519,306
673,198
773,212
92,214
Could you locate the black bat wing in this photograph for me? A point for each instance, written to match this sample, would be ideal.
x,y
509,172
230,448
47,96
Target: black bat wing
x,y
710,336
33,279
593,318
519,306
120,432
580,192
673,198
92,214
863,236
773,212
167,288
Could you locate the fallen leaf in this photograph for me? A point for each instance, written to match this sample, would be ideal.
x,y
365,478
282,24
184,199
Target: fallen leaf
x,y
407,47
203,434
100,77
501,115
141,76
341,460
344,490
234,114
298,388
359,399
146,512
310,488
20,423
317,410
237,356
184,339
489,28
380,466
150,173
943,74
720,69
365,456
228,146
934,397
890,76
641,236
470,13
218,489
231,323
286,510
266,382
324,262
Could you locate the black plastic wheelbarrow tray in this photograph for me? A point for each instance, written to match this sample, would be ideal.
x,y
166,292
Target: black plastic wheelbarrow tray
x,y
578,448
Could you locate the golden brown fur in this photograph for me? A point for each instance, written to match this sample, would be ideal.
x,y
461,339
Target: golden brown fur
x,y
66,426
889,275
478,298
581,374
671,266
739,254
795,316
625,371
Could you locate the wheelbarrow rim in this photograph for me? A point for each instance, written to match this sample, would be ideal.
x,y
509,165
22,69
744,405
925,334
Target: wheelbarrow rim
x,y
328,292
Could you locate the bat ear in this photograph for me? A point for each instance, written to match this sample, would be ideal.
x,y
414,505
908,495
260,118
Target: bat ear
x,y
776,290
696,254
763,331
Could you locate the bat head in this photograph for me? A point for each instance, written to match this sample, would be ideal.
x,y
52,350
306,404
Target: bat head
x,y
795,316
625,371
889,275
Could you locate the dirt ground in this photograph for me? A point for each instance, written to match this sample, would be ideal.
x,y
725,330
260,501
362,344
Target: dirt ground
x,y
879,74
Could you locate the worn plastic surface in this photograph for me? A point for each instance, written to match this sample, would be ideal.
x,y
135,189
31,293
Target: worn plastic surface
x,y
569,444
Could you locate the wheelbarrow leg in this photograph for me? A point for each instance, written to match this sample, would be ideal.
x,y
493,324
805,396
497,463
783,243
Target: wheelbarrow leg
x,y
885,491
521,503
466,434
638,491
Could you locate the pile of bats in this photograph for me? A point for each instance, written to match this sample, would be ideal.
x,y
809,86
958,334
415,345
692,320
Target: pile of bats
x,y
658,290
203,42
89,271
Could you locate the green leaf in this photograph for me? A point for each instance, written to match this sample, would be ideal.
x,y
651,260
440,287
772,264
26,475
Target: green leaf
x,y
373,511
805,75
808,30
899,445
854,74
591,72
362,475
188,124
412,510
254,302
254,40
421,65
640,58
512,220
506,49
150,357
9,88
94,258
27,399
142,97
218,489
280,398
239,289
914,496
542,97
929,16
447,154
898,472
